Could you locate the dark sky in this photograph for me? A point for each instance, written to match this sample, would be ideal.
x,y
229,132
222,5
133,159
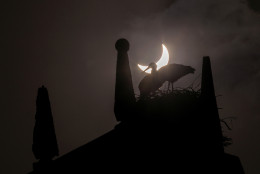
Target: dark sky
x,y
68,46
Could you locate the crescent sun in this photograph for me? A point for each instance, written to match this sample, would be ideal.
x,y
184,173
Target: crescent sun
x,y
161,62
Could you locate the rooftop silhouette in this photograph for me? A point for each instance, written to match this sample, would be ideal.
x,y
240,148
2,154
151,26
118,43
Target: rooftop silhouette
x,y
178,131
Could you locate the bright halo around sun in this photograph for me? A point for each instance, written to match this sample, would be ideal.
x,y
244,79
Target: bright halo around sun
x,y
164,60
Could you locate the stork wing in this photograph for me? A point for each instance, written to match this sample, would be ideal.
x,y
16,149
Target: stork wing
x,y
173,72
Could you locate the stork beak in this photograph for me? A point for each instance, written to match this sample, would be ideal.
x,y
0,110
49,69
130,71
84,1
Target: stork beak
x,y
147,68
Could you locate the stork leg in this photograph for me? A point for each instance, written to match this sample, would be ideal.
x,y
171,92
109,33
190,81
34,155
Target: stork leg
x,y
168,87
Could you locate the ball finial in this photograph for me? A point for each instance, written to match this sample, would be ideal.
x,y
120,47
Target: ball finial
x,y
122,45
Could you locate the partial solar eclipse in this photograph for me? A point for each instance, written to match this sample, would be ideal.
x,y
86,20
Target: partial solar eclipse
x,y
162,61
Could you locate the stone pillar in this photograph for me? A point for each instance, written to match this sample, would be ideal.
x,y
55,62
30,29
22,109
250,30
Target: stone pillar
x,y
45,145
124,92
213,131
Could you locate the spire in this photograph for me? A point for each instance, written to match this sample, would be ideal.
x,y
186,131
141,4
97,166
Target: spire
x,y
44,138
124,92
210,109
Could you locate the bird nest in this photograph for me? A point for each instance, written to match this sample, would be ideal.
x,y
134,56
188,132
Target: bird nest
x,y
169,104
175,92
179,107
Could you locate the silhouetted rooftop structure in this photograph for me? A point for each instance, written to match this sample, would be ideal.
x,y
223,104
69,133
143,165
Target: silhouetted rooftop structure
x,y
178,132
124,91
45,145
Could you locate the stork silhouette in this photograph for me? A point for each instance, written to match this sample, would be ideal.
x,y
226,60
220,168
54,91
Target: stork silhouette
x,y
171,73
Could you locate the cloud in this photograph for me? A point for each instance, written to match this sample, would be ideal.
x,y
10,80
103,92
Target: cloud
x,y
254,5
226,31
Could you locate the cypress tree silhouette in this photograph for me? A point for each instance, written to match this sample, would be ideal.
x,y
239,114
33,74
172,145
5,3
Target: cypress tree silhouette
x,y
45,145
